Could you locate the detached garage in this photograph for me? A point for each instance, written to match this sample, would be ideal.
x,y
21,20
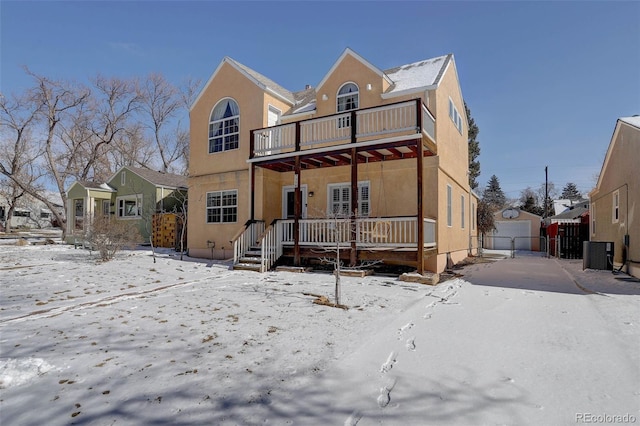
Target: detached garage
x,y
517,225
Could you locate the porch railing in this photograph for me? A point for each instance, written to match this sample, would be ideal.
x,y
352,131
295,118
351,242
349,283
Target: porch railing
x,y
372,232
388,120
246,238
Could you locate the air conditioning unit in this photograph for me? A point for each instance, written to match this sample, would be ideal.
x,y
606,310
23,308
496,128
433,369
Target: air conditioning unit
x,y
597,255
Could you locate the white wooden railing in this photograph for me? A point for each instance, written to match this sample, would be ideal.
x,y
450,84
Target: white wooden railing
x,y
247,237
379,232
271,246
335,129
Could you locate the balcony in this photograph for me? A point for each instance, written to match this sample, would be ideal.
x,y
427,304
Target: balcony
x,y
381,133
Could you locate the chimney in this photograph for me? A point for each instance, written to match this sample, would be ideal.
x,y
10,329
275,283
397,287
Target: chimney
x,y
307,86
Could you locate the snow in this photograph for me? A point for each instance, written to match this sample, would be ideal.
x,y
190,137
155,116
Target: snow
x,y
524,341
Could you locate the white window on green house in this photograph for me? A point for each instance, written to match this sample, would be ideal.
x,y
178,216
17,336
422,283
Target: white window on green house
x,y
339,203
615,212
222,206
106,207
449,206
129,207
462,211
224,126
123,178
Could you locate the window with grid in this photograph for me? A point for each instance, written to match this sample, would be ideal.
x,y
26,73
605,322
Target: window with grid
x,y
348,99
340,199
222,206
129,206
224,126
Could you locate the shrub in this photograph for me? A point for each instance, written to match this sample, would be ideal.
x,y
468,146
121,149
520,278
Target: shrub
x,y
108,236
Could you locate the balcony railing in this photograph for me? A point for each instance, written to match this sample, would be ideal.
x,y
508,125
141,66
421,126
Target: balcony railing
x,y
399,119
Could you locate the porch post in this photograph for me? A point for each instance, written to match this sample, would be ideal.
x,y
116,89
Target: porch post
x,y
297,201
420,216
252,178
353,258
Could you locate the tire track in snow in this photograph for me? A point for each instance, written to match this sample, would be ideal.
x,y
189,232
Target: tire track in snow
x,y
55,311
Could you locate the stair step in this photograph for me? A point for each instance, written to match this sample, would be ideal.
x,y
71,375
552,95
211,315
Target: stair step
x,y
247,267
249,259
252,252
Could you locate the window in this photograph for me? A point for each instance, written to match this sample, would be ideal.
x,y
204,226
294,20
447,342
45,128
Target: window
x,y
339,203
224,126
45,215
593,218
129,206
462,211
106,207
21,213
222,206
123,178
455,116
449,206
348,99
616,207
79,207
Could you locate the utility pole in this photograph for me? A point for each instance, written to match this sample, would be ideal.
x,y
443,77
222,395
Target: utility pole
x,y
546,191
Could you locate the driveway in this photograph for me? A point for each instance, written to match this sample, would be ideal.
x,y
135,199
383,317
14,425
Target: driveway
x,y
523,341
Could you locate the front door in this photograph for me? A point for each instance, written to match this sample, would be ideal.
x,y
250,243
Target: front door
x,y
288,204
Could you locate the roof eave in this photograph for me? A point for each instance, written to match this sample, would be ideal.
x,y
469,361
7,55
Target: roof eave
x,y
412,91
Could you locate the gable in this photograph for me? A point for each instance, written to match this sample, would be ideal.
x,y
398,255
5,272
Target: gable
x,y
349,56
255,78
622,154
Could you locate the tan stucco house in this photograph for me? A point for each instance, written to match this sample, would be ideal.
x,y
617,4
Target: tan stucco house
x,y
373,161
615,201
132,194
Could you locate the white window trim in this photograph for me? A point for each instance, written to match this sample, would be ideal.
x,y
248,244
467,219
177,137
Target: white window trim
x,y
455,116
615,208
361,184
222,120
222,221
449,206
119,209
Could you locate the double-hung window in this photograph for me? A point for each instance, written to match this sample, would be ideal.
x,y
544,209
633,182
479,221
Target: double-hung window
x,y
340,199
348,100
455,115
224,126
222,206
129,206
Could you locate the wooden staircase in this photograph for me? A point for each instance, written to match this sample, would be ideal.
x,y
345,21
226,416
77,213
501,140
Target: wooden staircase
x,y
250,260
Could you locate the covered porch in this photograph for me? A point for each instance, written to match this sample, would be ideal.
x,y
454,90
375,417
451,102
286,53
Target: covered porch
x,y
400,131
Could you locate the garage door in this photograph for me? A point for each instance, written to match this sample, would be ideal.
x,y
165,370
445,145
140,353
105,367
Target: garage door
x,y
512,228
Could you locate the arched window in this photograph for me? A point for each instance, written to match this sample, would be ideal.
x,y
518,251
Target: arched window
x,y
347,100
224,126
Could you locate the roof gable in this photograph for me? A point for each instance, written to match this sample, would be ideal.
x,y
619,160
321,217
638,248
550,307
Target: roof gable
x,y
349,52
627,121
256,78
156,178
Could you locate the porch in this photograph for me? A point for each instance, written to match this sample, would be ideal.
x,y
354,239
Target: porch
x,y
370,238
398,131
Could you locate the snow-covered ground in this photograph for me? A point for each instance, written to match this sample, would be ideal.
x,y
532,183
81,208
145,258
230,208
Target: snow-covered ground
x,y
524,341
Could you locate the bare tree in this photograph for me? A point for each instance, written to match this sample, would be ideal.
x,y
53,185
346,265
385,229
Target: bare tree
x,y
161,103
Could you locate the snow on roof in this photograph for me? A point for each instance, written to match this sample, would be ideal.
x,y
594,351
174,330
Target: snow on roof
x,y
418,74
634,121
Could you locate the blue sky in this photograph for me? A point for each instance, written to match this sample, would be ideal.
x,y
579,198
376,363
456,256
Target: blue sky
x,y
545,81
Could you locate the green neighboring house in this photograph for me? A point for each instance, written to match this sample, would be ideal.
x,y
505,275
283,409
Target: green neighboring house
x,y
132,193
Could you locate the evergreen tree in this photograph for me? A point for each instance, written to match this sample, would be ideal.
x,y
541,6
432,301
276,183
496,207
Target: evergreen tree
x,y
529,202
494,195
570,192
485,220
474,149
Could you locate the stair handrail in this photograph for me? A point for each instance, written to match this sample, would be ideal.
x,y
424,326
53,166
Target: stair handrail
x,y
271,246
245,237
